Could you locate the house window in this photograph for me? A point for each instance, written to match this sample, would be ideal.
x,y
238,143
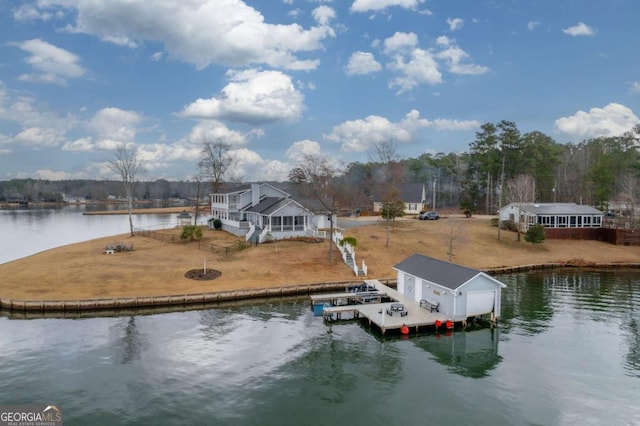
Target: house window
x,y
596,220
562,221
572,221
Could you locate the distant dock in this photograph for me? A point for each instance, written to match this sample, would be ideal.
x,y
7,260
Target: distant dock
x,y
355,305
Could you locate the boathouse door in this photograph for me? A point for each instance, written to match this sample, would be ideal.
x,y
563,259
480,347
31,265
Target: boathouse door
x,y
410,286
480,302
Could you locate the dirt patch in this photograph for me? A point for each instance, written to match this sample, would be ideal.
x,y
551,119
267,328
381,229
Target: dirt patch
x,y
201,275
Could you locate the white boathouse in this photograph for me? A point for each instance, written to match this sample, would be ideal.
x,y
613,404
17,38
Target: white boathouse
x,y
455,291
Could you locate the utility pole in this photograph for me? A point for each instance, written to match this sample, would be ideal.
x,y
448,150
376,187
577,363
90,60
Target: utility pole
x,y
500,196
434,194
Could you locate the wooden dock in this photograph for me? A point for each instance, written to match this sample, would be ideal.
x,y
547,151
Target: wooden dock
x,y
376,313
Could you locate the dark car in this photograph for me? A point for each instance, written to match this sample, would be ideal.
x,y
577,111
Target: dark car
x,y
429,216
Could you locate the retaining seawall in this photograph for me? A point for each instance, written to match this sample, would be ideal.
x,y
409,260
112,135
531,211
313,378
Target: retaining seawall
x,y
168,303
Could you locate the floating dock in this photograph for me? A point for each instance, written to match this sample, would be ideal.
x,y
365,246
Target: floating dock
x,y
349,305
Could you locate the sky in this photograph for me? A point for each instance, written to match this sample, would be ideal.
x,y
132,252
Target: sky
x,y
278,80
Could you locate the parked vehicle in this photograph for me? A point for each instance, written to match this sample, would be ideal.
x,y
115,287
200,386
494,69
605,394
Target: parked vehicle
x,y
429,216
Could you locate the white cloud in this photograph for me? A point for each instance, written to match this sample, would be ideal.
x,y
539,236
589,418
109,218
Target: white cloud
x,y
211,131
79,145
363,134
29,12
157,56
377,5
455,23
581,29
323,15
27,114
199,32
48,174
416,68
415,65
634,86
453,55
53,64
612,120
400,42
531,25
39,137
301,149
443,41
252,97
362,63
114,127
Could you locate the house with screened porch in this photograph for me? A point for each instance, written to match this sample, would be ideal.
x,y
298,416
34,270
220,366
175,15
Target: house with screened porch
x,y
261,211
552,215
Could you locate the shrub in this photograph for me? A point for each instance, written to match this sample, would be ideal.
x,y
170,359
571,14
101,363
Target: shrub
x,y
535,234
191,232
349,240
217,224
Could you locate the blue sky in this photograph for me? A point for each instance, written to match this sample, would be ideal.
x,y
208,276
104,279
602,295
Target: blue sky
x,y
281,79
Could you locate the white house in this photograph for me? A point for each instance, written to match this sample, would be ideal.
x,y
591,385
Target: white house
x,y
412,194
552,215
457,291
260,211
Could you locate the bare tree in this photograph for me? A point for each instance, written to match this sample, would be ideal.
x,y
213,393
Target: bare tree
x,y
386,155
216,162
392,207
316,178
198,180
520,190
455,234
630,186
126,164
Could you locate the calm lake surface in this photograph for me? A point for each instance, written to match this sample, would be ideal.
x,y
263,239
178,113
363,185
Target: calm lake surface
x,y
566,351
29,231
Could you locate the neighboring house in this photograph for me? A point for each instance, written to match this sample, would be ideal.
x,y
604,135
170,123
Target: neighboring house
x,y
552,215
458,291
73,199
260,211
412,194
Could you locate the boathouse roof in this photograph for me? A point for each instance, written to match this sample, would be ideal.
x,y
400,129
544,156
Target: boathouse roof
x,y
445,274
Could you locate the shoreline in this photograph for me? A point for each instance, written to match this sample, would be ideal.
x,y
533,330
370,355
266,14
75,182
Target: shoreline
x,y
176,302
81,277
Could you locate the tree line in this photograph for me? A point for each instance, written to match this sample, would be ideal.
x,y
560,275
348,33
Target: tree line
x,y
501,165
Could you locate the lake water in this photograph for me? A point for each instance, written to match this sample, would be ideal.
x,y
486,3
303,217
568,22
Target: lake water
x,y
566,351
29,231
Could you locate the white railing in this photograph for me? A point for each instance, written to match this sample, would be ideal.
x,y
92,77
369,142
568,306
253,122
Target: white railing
x,y
348,249
315,232
263,235
248,235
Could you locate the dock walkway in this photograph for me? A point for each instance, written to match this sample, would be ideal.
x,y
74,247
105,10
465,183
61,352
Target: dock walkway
x,y
376,313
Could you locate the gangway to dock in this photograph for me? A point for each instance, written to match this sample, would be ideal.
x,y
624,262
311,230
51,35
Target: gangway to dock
x,y
376,313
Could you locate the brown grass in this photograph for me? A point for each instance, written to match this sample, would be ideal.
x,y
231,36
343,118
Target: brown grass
x,y
83,271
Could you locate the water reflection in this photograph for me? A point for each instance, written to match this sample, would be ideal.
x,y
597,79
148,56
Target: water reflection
x,y
469,353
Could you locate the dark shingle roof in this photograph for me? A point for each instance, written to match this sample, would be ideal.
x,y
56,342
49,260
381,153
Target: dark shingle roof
x,y
408,192
268,205
437,271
